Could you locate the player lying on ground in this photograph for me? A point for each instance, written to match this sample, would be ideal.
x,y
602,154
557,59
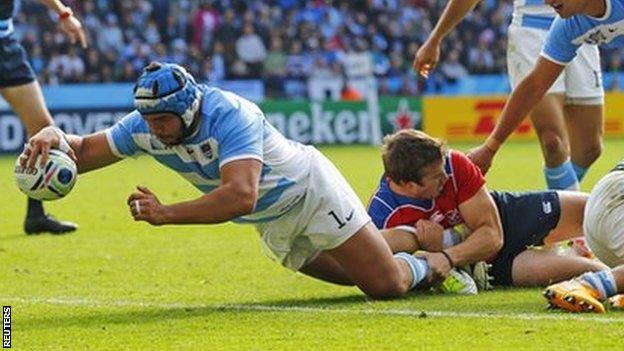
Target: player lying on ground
x,y
568,120
433,190
306,213
594,22
604,233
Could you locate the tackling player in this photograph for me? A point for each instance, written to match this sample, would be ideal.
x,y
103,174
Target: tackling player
x,y
593,22
569,117
433,190
19,87
306,213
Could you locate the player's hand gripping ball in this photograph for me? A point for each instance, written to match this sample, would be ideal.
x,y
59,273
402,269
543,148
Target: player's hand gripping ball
x,y
51,181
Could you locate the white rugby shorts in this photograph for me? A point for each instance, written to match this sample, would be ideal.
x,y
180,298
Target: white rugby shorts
x,y
603,222
329,214
580,81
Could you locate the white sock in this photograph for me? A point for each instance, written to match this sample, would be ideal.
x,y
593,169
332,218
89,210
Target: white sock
x,y
418,266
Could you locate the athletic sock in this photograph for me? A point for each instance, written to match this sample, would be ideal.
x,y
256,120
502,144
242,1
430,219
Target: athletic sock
x,y
561,177
418,266
603,282
579,171
34,209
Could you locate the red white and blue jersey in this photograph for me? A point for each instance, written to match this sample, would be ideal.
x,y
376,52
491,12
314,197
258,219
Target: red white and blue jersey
x,y
389,209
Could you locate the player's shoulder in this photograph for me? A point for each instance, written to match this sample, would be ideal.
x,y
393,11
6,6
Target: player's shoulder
x,y
224,107
134,123
456,160
382,196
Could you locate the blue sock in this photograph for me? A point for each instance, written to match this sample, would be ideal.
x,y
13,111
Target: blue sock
x,y
602,281
561,177
418,266
580,171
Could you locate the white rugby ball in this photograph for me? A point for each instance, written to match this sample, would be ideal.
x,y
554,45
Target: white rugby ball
x,y
52,181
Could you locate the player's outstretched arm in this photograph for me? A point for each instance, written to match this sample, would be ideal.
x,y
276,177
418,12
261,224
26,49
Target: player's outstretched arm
x,y
520,103
486,239
67,22
235,197
92,151
89,152
428,55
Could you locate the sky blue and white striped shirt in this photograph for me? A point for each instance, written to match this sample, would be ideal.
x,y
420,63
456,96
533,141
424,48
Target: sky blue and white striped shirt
x,y
231,128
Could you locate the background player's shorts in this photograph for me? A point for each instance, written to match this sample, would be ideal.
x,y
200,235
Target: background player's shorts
x,y
580,81
603,222
14,67
329,214
527,218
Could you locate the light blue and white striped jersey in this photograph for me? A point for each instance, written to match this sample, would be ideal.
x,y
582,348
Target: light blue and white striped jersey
x,y
230,128
532,14
566,35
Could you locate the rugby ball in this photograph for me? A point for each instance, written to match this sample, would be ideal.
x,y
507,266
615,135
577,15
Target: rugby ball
x,y
51,181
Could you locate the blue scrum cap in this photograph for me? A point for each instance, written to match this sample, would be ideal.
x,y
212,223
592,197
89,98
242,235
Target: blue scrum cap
x,y
167,87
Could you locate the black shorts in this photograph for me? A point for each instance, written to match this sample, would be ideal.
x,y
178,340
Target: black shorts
x,y
14,67
527,218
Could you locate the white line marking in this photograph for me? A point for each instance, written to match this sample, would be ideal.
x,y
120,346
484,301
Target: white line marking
x,y
298,309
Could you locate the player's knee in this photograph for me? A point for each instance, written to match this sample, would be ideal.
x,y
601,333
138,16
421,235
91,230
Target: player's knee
x,y
553,145
592,151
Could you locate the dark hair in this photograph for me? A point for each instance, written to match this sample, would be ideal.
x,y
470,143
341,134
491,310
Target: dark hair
x,y
406,152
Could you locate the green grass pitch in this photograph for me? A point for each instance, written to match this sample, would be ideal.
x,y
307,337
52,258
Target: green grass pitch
x,y
119,285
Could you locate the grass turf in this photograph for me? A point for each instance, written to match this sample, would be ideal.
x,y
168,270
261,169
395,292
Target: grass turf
x,y
117,284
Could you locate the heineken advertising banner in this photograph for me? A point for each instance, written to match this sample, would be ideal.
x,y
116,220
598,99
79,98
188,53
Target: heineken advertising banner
x,y
342,122
303,121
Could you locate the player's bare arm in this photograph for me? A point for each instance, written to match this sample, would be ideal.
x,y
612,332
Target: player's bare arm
x,y
68,23
89,152
235,197
486,239
428,55
521,101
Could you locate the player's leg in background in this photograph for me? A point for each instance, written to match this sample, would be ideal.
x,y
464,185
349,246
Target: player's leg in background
x,y
585,128
27,102
366,260
584,109
524,47
548,120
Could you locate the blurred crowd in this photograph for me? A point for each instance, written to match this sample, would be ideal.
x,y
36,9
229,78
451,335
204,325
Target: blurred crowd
x,y
282,42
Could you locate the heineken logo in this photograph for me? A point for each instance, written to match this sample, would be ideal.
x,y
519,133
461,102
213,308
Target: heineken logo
x,y
403,117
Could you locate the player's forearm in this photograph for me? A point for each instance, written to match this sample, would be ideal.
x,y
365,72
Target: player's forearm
x,y
54,5
453,13
220,205
483,243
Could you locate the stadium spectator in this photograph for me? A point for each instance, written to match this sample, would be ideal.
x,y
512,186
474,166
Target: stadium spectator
x,y
329,28
251,50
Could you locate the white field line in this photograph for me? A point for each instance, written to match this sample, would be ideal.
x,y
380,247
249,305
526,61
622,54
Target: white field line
x,y
298,309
